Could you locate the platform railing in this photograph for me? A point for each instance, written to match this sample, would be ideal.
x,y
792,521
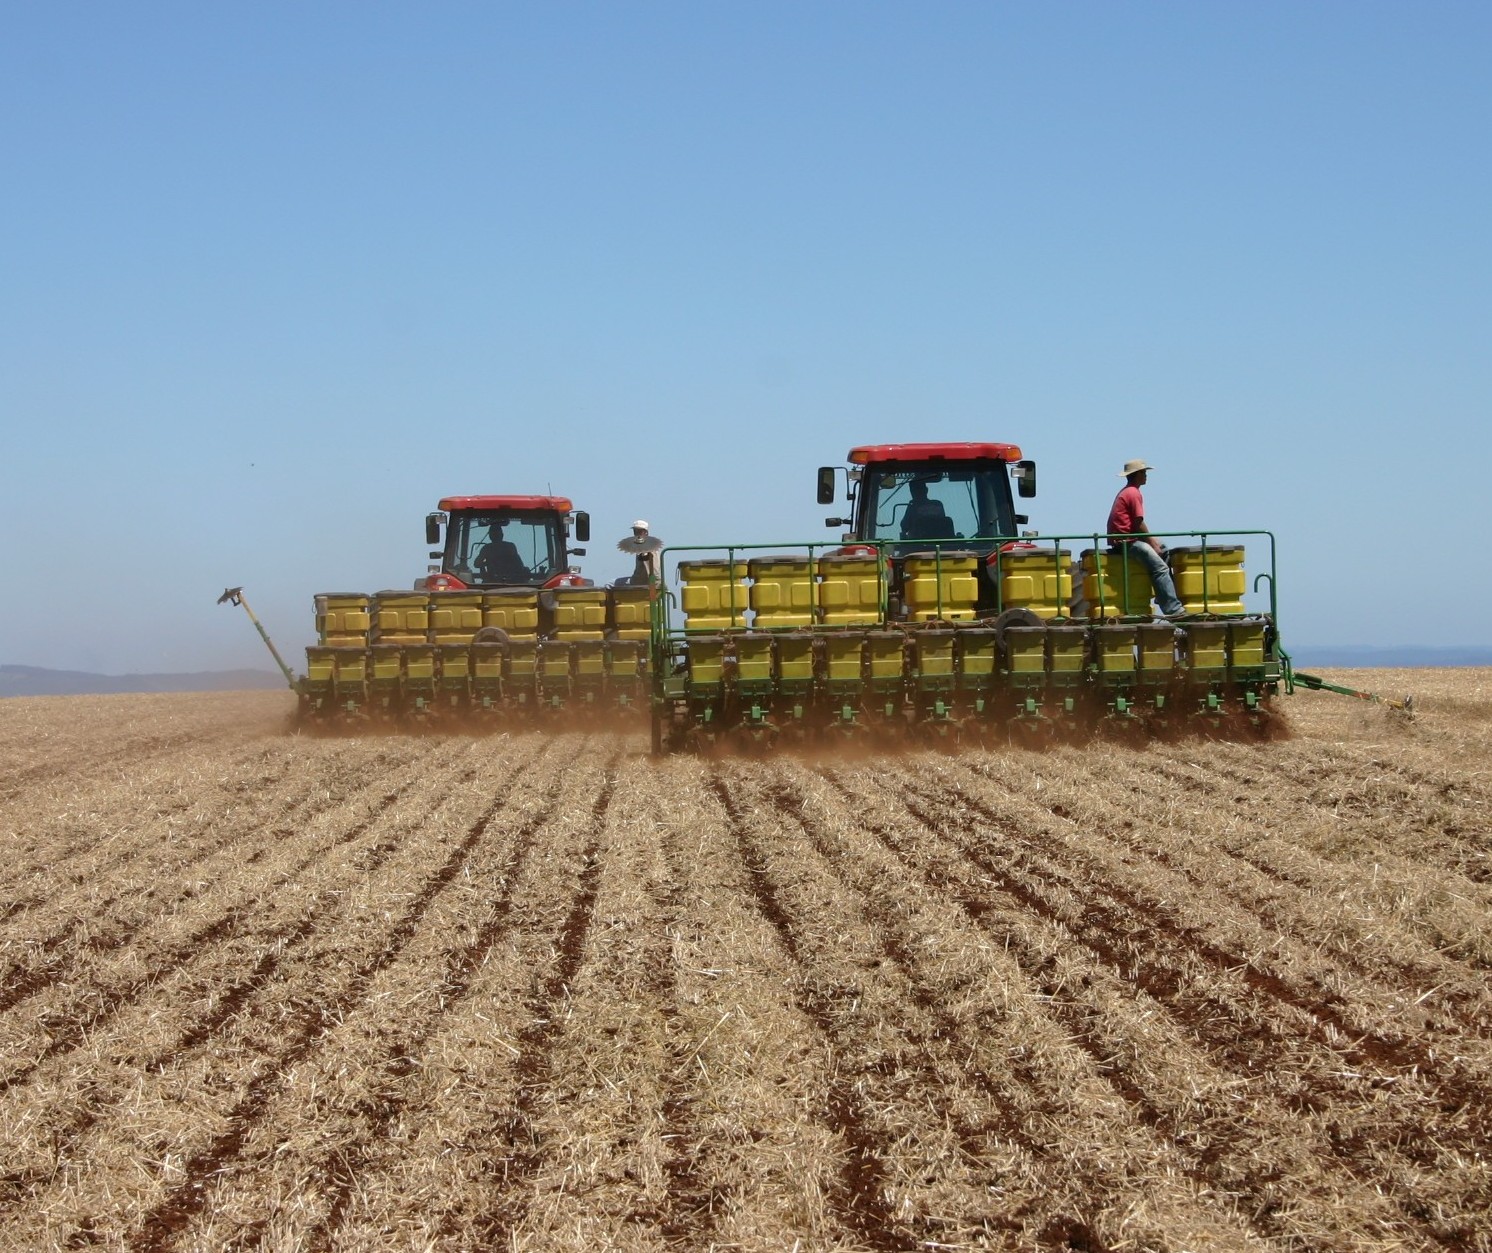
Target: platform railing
x,y
666,604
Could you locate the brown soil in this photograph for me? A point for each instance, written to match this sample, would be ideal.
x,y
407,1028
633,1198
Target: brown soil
x,y
528,991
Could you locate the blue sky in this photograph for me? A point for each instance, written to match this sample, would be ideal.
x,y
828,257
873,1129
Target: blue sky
x,y
277,277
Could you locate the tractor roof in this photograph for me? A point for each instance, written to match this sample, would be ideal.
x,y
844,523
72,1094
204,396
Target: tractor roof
x,y
871,454
488,504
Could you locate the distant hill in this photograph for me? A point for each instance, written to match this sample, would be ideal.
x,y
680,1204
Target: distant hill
x,y
35,681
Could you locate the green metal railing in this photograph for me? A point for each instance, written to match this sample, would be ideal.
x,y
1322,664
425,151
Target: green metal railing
x,y
887,551
1108,547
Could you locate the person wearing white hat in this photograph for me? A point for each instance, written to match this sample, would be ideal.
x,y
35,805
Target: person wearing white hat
x,y
1128,533
645,547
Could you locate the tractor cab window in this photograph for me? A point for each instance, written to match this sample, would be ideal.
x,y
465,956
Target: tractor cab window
x,y
507,547
916,503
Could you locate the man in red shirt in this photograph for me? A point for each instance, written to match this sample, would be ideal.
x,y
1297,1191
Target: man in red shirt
x,y
1128,533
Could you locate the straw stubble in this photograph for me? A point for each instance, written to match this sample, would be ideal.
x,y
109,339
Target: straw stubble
x,y
539,991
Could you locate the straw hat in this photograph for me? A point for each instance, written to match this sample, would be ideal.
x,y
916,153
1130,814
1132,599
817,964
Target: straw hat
x,y
1134,467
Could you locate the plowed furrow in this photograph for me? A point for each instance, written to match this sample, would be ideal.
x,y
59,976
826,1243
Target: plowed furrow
x,y
1219,1152
1447,833
101,762
227,990
238,993
454,1125
689,1210
733,1066
51,961
1125,922
240,911
298,1039
1178,969
1289,902
886,911
859,1202
1019,1095
523,1145
1135,922
385,1059
405,1042
534,990
154,841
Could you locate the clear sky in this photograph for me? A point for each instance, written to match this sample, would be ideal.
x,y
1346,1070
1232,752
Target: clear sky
x,y
275,277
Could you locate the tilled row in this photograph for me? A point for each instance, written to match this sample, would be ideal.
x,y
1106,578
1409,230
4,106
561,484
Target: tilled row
x,y
1371,1109
978,1044
329,928
1143,898
321,1141
1228,848
74,744
1422,834
539,992
753,1095
172,903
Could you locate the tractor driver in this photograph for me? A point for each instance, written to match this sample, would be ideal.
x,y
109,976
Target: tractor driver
x,y
925,518
499,561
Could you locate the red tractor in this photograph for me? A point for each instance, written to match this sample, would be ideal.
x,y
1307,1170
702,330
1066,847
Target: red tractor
x,y
504,541
906,496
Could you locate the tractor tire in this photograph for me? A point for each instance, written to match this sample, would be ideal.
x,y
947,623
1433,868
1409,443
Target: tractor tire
x,y
1013,618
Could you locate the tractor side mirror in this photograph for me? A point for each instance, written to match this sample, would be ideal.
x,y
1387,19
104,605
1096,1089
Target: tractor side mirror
x,y
1025,478
826,485
432,527
582,526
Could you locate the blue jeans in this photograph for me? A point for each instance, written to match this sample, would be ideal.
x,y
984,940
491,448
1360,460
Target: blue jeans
x,y
1160,578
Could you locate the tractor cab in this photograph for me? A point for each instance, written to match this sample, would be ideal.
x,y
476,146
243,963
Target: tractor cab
x,y
912,495
504,541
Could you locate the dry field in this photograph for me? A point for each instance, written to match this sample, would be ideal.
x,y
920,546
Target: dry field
x,y
272,992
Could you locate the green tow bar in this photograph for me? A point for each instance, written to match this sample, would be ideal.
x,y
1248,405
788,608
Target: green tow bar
x,y
1318,684
234,595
